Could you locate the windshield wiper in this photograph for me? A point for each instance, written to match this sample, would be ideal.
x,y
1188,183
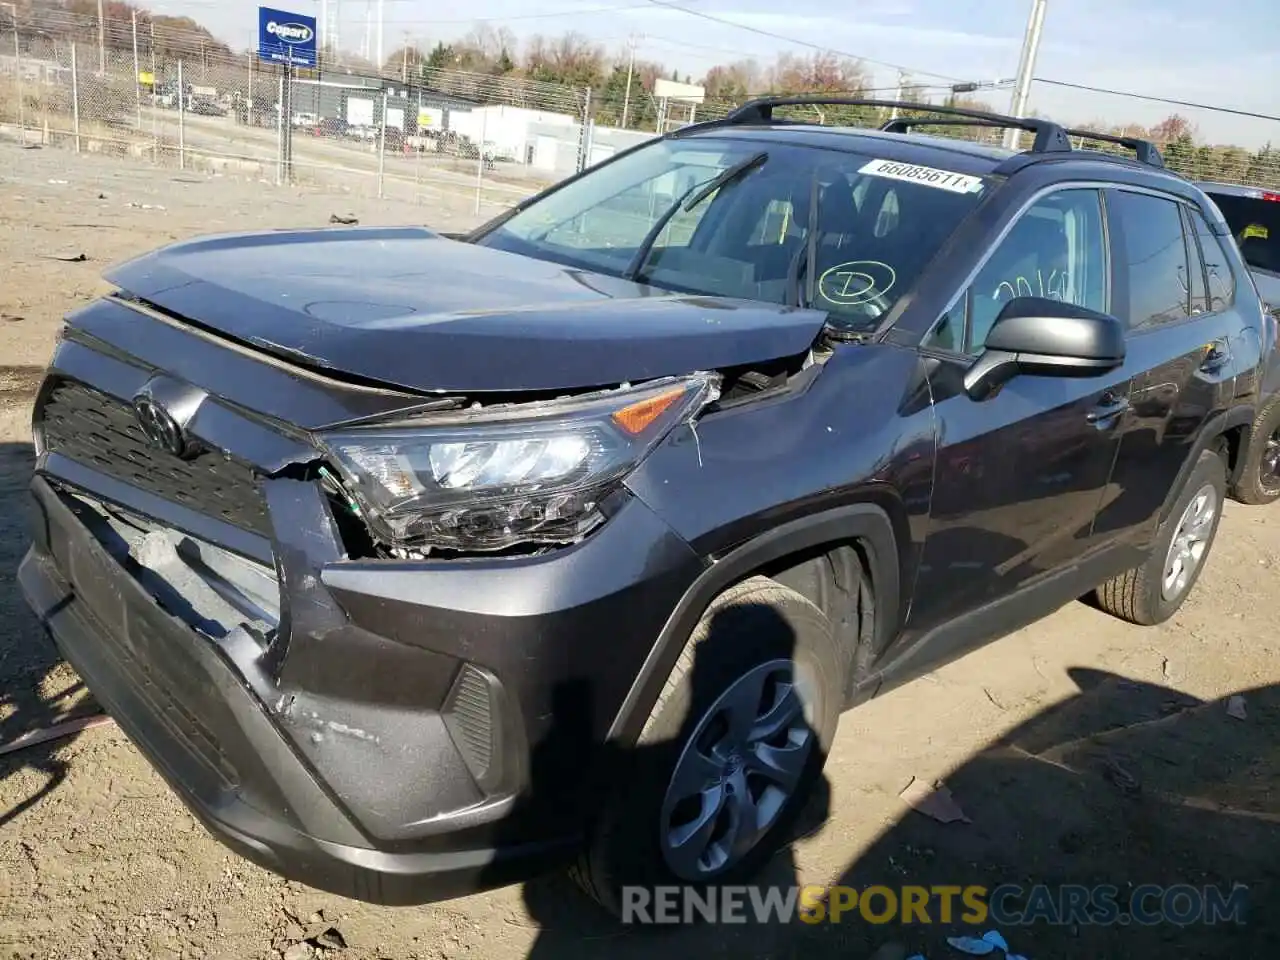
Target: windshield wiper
x,y
686,202
806,258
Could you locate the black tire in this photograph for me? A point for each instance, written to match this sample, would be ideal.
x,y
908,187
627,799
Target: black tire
x,y
753,623
1259,481
1139,595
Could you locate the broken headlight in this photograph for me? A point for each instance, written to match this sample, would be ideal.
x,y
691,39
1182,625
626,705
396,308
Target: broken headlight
x,y
485,479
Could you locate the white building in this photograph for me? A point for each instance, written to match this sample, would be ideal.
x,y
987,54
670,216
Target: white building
x,y
555,149
508,131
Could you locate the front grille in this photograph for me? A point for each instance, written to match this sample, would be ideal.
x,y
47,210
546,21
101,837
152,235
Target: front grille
x,y
101,433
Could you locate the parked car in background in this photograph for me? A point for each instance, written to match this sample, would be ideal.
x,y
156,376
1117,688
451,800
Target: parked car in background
x,y
394,139
1254,217
331,127
205,106
255,111
421,563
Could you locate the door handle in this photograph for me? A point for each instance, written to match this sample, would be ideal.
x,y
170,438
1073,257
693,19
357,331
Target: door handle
x,y
1107,410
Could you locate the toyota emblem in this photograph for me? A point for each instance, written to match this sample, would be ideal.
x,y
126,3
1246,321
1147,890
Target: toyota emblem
x,y
159,427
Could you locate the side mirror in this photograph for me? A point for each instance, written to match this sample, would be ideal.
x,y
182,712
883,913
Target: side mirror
x,y
1046,338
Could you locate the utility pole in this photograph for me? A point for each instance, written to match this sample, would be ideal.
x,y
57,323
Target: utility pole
x,y
631,68
902,84
1026,70
102,40
404,60
137,80
323,30
380,32
17,72
366,47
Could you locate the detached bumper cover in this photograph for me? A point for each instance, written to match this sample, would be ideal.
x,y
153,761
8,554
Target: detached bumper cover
x,y
284,785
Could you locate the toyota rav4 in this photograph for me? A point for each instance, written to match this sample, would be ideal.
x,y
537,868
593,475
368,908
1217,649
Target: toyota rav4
x,y
418,563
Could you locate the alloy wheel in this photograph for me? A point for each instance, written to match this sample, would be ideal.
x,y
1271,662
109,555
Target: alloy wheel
x,y
1269,467
1190,542
737,772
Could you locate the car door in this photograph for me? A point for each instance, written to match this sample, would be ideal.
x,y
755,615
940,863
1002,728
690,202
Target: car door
x,y
1019,475
1186,335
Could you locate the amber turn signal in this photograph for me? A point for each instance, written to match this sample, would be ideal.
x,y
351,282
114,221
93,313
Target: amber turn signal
x,y
637,417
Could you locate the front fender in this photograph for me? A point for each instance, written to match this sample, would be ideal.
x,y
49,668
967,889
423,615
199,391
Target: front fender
x,y
864,522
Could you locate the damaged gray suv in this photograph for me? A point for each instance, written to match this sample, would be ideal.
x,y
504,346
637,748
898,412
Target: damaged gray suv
x,y
418,564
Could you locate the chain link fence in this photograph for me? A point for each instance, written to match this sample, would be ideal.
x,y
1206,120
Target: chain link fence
x,y
445,134
1197,142
428,134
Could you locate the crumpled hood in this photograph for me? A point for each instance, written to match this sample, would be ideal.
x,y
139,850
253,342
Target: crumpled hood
x,y
408,307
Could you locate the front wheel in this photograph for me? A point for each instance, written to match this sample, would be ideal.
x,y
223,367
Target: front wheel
x,y
729,754
1153,592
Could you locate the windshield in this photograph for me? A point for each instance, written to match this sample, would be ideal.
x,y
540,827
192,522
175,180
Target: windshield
x,y
1255,224
876,224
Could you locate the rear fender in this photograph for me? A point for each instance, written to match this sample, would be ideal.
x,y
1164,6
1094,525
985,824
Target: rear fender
x,y
1211,434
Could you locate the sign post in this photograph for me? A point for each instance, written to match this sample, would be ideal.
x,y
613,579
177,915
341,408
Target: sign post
x,y
288,40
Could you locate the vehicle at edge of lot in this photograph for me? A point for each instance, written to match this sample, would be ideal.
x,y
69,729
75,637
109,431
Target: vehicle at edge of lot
x,y
420,563
1253,217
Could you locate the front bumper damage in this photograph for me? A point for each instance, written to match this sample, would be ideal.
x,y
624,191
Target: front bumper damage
x,y
394,731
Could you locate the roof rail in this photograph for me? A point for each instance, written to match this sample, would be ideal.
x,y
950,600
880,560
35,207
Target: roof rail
x,y
903,124
1146,151
1049,136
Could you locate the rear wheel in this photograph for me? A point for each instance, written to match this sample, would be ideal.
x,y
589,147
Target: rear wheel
x,y
1153,592
1259,481
730,751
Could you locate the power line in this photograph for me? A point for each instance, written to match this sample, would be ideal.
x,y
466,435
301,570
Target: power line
x,y
652,39
417,21
1143,96
572,12
178,37
803,43
579,12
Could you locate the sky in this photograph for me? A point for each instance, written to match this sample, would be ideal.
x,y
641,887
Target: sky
x,y
1221,53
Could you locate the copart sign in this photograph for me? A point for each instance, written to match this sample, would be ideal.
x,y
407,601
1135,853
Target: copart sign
x,y
286,38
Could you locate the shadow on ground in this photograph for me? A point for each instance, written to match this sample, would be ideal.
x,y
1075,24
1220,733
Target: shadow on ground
x,y
37,689
1125,783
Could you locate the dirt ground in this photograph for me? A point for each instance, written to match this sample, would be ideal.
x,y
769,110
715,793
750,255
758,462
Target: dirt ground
x,y
1081,750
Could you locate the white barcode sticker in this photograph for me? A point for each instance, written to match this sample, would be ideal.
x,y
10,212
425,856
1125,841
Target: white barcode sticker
x,y
925,176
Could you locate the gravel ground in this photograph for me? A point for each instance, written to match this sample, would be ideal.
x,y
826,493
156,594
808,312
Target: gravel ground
x,y
1081,750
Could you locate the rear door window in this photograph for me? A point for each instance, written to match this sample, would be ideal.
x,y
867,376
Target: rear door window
x,y
1153,256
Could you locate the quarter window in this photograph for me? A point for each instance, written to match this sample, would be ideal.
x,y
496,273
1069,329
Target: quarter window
x,y
1222,282
1154,257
